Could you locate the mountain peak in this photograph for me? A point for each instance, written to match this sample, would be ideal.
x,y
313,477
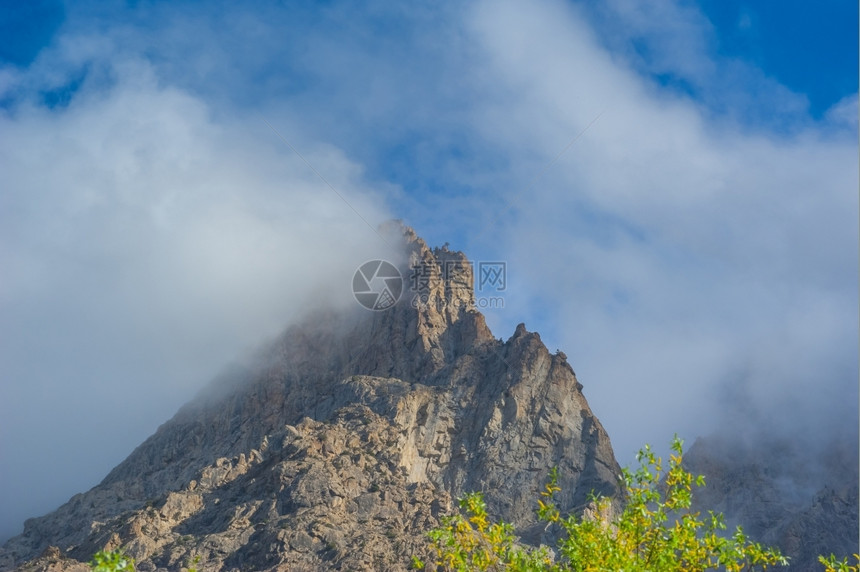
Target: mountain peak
x,y
346,441
435,319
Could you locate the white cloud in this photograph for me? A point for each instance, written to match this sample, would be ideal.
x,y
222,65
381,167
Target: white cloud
x,y
662,37
145,244
675,249
843,114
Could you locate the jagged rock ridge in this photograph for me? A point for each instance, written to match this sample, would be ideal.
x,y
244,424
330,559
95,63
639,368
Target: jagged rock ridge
x,y
344,444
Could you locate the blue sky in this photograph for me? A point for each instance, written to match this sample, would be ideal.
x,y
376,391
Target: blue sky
x,y
809,48
672,184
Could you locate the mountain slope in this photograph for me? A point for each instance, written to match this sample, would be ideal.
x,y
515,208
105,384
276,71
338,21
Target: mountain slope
x,y
800,496
344,444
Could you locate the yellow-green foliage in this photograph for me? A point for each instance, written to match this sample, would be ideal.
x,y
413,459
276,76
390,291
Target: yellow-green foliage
x,y
471,542
831,564
657,530
117,561
114,561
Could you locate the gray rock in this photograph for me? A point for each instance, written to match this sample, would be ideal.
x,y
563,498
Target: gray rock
x,y
783,492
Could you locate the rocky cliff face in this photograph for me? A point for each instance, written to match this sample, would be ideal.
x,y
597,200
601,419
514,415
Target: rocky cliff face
x,y
344,444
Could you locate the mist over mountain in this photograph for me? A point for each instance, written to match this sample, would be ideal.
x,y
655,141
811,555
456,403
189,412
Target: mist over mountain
x,y
348,437
783,492
785,470
344,442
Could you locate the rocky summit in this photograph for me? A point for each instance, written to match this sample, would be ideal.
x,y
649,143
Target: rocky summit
x,y
345,442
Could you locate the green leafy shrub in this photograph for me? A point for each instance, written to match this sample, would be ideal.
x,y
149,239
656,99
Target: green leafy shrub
x,y
113,561
831,564
117,561
657,530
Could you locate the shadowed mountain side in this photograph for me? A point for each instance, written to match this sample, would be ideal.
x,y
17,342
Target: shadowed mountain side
x,y
801,497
